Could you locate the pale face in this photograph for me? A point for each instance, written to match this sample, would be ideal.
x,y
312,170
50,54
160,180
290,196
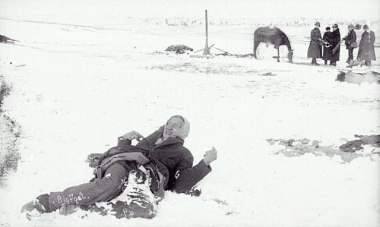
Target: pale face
x,y
173,125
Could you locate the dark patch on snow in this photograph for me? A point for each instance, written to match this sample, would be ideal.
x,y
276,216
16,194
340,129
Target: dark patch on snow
x,y
299,147
179,49
4,39
9,133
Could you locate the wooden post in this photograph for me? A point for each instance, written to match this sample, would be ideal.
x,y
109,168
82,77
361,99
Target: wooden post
x,y
206,51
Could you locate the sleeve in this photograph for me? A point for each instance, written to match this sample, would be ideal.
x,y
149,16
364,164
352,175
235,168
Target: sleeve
x,y
312,35
152,138
121,141
372,36
115,150
188,176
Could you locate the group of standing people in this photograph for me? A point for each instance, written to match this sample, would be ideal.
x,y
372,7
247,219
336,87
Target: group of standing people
x,y
328,46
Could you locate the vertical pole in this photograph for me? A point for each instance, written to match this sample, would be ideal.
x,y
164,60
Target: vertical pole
x,y
206,51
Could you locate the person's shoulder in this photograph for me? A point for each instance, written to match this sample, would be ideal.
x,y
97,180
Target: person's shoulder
x,y
185,149
185,152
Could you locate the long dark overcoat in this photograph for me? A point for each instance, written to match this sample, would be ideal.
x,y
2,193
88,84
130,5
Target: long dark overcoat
x,y
315,48
366,47
350,38
335,40
327,51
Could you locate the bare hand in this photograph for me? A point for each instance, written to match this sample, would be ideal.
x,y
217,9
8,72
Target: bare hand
x,y
93,159
133,135
210,156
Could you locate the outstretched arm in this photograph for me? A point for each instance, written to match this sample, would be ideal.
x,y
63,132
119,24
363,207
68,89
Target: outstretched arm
x,y
188,176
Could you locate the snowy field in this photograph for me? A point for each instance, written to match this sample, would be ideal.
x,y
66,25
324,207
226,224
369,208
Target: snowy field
x,y
84,74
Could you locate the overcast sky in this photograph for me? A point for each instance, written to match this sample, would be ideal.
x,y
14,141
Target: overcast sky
x,y
356,9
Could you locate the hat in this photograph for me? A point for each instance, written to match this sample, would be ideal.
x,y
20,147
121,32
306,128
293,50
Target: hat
x,y
317,23
350,26
365,26
335,26
328,28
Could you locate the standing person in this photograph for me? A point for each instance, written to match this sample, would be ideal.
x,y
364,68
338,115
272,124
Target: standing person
x,y
162,152
366,46
315,48
335,42
350,42
327,48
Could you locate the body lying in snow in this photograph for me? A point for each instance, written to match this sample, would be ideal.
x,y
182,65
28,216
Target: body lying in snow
x,y
159,161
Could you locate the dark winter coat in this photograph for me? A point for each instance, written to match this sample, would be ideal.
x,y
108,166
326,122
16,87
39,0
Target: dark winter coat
x,y
350,38
366,47
173,160
327,51
315,48
335,41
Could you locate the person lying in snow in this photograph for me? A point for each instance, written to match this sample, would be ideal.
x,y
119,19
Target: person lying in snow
x,y
159,161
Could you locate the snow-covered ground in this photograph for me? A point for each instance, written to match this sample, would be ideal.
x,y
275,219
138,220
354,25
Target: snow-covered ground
x,y
81,78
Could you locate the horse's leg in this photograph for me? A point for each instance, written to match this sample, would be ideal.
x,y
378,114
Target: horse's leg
x,y
278,54
256,44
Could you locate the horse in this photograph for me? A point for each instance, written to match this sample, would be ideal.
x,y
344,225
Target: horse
x,y
273,36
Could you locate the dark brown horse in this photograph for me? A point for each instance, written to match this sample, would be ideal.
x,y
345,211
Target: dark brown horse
x,y
273,36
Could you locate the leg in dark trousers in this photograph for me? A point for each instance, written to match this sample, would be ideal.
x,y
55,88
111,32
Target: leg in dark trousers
x,y
99,190
350,55
105,189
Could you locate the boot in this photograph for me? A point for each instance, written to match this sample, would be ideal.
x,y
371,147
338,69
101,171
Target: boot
x,y
40,204
325,62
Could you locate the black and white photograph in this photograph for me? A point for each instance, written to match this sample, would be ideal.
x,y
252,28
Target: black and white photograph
x,y
187,113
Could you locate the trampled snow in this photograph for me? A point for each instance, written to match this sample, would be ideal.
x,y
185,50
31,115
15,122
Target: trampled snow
x,y
87,77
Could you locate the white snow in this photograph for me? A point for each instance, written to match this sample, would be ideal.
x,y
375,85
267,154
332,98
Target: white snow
x,y
98,70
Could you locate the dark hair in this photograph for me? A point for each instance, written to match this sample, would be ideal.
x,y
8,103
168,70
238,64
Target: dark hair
x,y
328,28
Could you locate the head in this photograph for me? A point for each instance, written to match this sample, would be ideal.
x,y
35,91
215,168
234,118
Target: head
x,y
366,27
290,56
358,26
328,29
317,24
350,27
177,126
335,27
